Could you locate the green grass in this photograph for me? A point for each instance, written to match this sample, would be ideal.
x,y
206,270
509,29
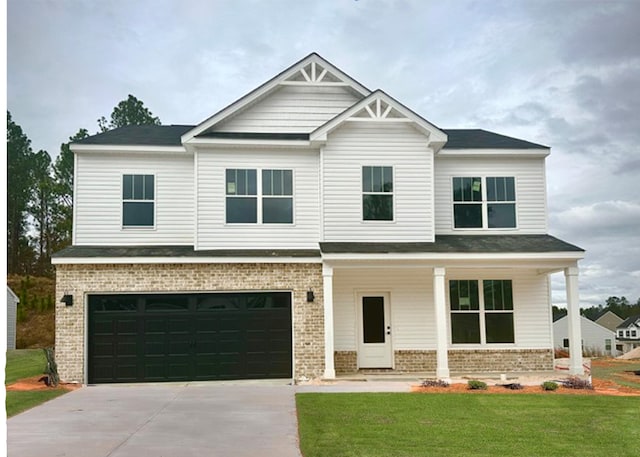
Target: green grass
x,y
449,425
21,401
24,363
612,372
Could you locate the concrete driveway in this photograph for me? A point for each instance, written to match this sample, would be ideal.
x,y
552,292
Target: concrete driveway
x,y
161,420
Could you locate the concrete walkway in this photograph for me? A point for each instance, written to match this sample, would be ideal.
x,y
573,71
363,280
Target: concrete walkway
x,y
161,420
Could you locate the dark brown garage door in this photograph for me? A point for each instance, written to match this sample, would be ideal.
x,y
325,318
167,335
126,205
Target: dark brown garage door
x,y
185,337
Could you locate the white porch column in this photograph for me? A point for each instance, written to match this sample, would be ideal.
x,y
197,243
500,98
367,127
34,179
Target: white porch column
x,y
327,277
439,300
573,314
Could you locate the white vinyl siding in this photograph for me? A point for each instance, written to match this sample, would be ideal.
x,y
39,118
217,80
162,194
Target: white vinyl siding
x,y
291,109
396,145
594,336
530,191
98,200
214,233
412,309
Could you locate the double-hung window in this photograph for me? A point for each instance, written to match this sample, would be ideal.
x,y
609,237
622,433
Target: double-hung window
x,y
259,196
479,318
377,193
484,202
138,201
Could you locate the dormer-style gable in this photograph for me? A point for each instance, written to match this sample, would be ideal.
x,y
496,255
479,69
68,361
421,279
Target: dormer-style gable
x,y
380,107
307,79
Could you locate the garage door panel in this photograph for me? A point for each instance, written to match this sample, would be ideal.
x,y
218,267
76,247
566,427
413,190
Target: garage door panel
x,y
189,337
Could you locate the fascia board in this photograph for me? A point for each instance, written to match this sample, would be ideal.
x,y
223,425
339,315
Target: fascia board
x,y
532,153
266,88
173,260
431,256
100,148
203,142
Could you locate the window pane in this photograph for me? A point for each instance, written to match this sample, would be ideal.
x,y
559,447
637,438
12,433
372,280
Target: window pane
x,y
218,302
501,215
127,187
467,189
241,182
465,328
387,176
242,210
377,179
138,187
137,214
497,295
499,327
377,207
252,184
367,184
467,215
148,187
232,188
510,189
288,182
457,189
463,295
267,182
167,303
373,319
277,210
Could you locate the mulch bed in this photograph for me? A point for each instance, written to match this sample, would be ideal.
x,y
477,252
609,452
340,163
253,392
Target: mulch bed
x,y
37,383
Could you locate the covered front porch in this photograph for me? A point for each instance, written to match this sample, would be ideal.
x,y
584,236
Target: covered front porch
x,y
397,309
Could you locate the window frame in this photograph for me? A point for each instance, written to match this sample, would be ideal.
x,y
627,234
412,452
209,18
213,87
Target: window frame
x,y
260,196
392,193
484,201
482,312
152,201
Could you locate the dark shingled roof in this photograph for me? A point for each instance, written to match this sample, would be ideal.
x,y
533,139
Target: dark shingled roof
x,y
177,251
482,139
140,135
629,321
169,135
467,244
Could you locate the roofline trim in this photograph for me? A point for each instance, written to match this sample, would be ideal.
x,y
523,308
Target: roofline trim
x,y
470,256
485,152
190,260
125,148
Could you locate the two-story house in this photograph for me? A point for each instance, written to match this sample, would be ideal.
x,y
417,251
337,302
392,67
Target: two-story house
x,y
628,333
310,229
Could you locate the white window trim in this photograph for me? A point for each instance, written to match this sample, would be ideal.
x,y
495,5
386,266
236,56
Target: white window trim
x,y
260,196
482,311
484,202
392,193
154,201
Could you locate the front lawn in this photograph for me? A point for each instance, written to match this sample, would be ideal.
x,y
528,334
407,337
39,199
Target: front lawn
x,y
411,425
21,364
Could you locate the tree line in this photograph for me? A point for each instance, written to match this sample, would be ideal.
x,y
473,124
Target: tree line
x,y
618,305
40,191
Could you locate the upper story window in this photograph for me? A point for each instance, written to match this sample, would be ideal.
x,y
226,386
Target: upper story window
x,y
479,318
253,196
377,193
138,201
483,203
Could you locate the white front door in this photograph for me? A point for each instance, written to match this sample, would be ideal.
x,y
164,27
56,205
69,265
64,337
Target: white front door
x,y
374,348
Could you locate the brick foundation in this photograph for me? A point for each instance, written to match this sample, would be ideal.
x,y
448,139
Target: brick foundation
x,y
345,362
500,360
415,361
79,280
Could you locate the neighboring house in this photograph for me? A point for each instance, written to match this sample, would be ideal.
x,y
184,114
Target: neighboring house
x,y
596,339
310,229
628,333
609,320
12,313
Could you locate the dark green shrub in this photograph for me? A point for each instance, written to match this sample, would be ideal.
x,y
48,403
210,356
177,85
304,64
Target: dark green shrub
x,y
474,384
549,385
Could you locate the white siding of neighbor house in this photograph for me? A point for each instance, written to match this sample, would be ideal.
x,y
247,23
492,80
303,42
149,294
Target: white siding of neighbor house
x,y
530,183
593,336
98,200
357,144
214,233
292,109
412,311
12,312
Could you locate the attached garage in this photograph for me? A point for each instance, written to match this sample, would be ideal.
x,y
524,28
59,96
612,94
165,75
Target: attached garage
x,y
189,337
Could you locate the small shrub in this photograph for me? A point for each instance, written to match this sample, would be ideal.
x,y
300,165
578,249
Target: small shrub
x,y
575,382
549,385
474,384
513,386
434,383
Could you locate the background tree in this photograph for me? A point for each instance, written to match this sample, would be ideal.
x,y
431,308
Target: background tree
x,y
128,112
41,208
19,185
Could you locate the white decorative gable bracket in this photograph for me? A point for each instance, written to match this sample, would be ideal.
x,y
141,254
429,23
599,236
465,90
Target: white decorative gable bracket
x,y
378,110
314,73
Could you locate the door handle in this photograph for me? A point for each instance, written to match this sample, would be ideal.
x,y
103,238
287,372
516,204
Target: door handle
x,y
388,330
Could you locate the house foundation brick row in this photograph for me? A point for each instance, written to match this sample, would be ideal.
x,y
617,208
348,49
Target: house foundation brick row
x,y
79,280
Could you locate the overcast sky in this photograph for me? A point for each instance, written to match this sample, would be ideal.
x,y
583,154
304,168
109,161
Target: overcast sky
x,y
561,73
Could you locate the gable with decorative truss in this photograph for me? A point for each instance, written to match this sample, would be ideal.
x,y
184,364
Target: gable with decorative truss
x,y
317,73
